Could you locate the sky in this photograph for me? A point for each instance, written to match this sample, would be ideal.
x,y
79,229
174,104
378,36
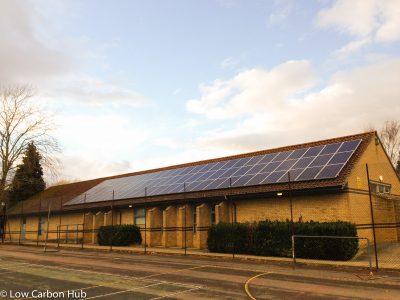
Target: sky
x,y
135,85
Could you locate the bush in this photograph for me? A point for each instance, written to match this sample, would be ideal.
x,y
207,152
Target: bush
x,y
119,235
273,238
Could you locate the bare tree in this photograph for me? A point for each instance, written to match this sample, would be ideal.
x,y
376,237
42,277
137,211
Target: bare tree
x,y
22,121
390,138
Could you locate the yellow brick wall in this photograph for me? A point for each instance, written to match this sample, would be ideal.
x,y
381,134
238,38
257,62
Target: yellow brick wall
x,y
378,165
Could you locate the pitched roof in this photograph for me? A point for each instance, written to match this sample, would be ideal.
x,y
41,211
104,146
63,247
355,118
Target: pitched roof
x,y
62,194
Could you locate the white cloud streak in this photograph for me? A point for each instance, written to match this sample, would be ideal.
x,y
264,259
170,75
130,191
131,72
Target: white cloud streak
x,y
253,90
377,19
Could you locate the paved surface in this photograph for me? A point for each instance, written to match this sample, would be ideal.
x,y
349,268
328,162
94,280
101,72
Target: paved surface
x,y
104,275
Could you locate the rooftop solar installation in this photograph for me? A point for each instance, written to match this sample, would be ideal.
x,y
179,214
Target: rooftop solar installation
x,y
308,163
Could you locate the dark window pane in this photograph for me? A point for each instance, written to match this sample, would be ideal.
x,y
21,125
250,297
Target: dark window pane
x,y
349,145
330,171
341,157
297,153
286,165
309,173
321,160
313,151
331,148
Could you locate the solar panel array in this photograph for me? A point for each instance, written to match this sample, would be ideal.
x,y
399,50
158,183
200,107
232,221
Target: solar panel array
x,y
309,163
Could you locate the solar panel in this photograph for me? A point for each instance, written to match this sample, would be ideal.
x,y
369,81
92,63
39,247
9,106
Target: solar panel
x,y
307,163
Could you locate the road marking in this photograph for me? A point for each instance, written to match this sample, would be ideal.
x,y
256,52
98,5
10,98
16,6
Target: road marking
x,y
176,293
124,291
175,271
246,285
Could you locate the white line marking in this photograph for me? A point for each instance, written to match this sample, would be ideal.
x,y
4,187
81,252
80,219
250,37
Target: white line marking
x,y
124,291
180,292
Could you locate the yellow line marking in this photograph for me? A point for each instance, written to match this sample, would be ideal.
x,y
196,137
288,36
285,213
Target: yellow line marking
x,y
246,285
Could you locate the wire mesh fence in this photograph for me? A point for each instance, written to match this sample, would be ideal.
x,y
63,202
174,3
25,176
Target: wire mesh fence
x,y
369,200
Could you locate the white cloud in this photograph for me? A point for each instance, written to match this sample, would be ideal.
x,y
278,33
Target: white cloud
x,y
253,90
350,101
23,54
92,90
352,47
377,19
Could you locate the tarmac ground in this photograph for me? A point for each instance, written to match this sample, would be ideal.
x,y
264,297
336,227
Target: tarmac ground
x,y
29,272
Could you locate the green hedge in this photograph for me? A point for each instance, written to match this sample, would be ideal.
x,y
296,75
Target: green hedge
x,y
119,235
273,238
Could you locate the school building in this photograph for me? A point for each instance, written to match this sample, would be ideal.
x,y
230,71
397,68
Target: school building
x,y
320,181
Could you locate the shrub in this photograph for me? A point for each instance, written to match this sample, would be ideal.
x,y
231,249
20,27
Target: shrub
x,y
223,237
273,238
119,235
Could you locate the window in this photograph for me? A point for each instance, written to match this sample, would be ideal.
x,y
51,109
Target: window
x,y
140,216
212,212
379,187
194,219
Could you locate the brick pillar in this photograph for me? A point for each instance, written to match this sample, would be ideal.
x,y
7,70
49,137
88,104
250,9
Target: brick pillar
x,y
88,227
203,217
98,220
154,226
222,212
169,225
180,223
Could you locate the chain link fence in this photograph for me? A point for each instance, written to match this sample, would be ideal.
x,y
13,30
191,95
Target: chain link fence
x,y
369,200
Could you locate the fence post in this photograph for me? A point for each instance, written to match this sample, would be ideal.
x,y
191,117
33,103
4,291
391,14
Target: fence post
x,y
39,223
184,217
293,253
66,234
47,227
112,221
84,216
372,218
369,257
59,224
20,224
145,220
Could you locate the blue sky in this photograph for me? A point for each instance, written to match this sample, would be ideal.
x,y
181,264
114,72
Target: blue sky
x,y
142,84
